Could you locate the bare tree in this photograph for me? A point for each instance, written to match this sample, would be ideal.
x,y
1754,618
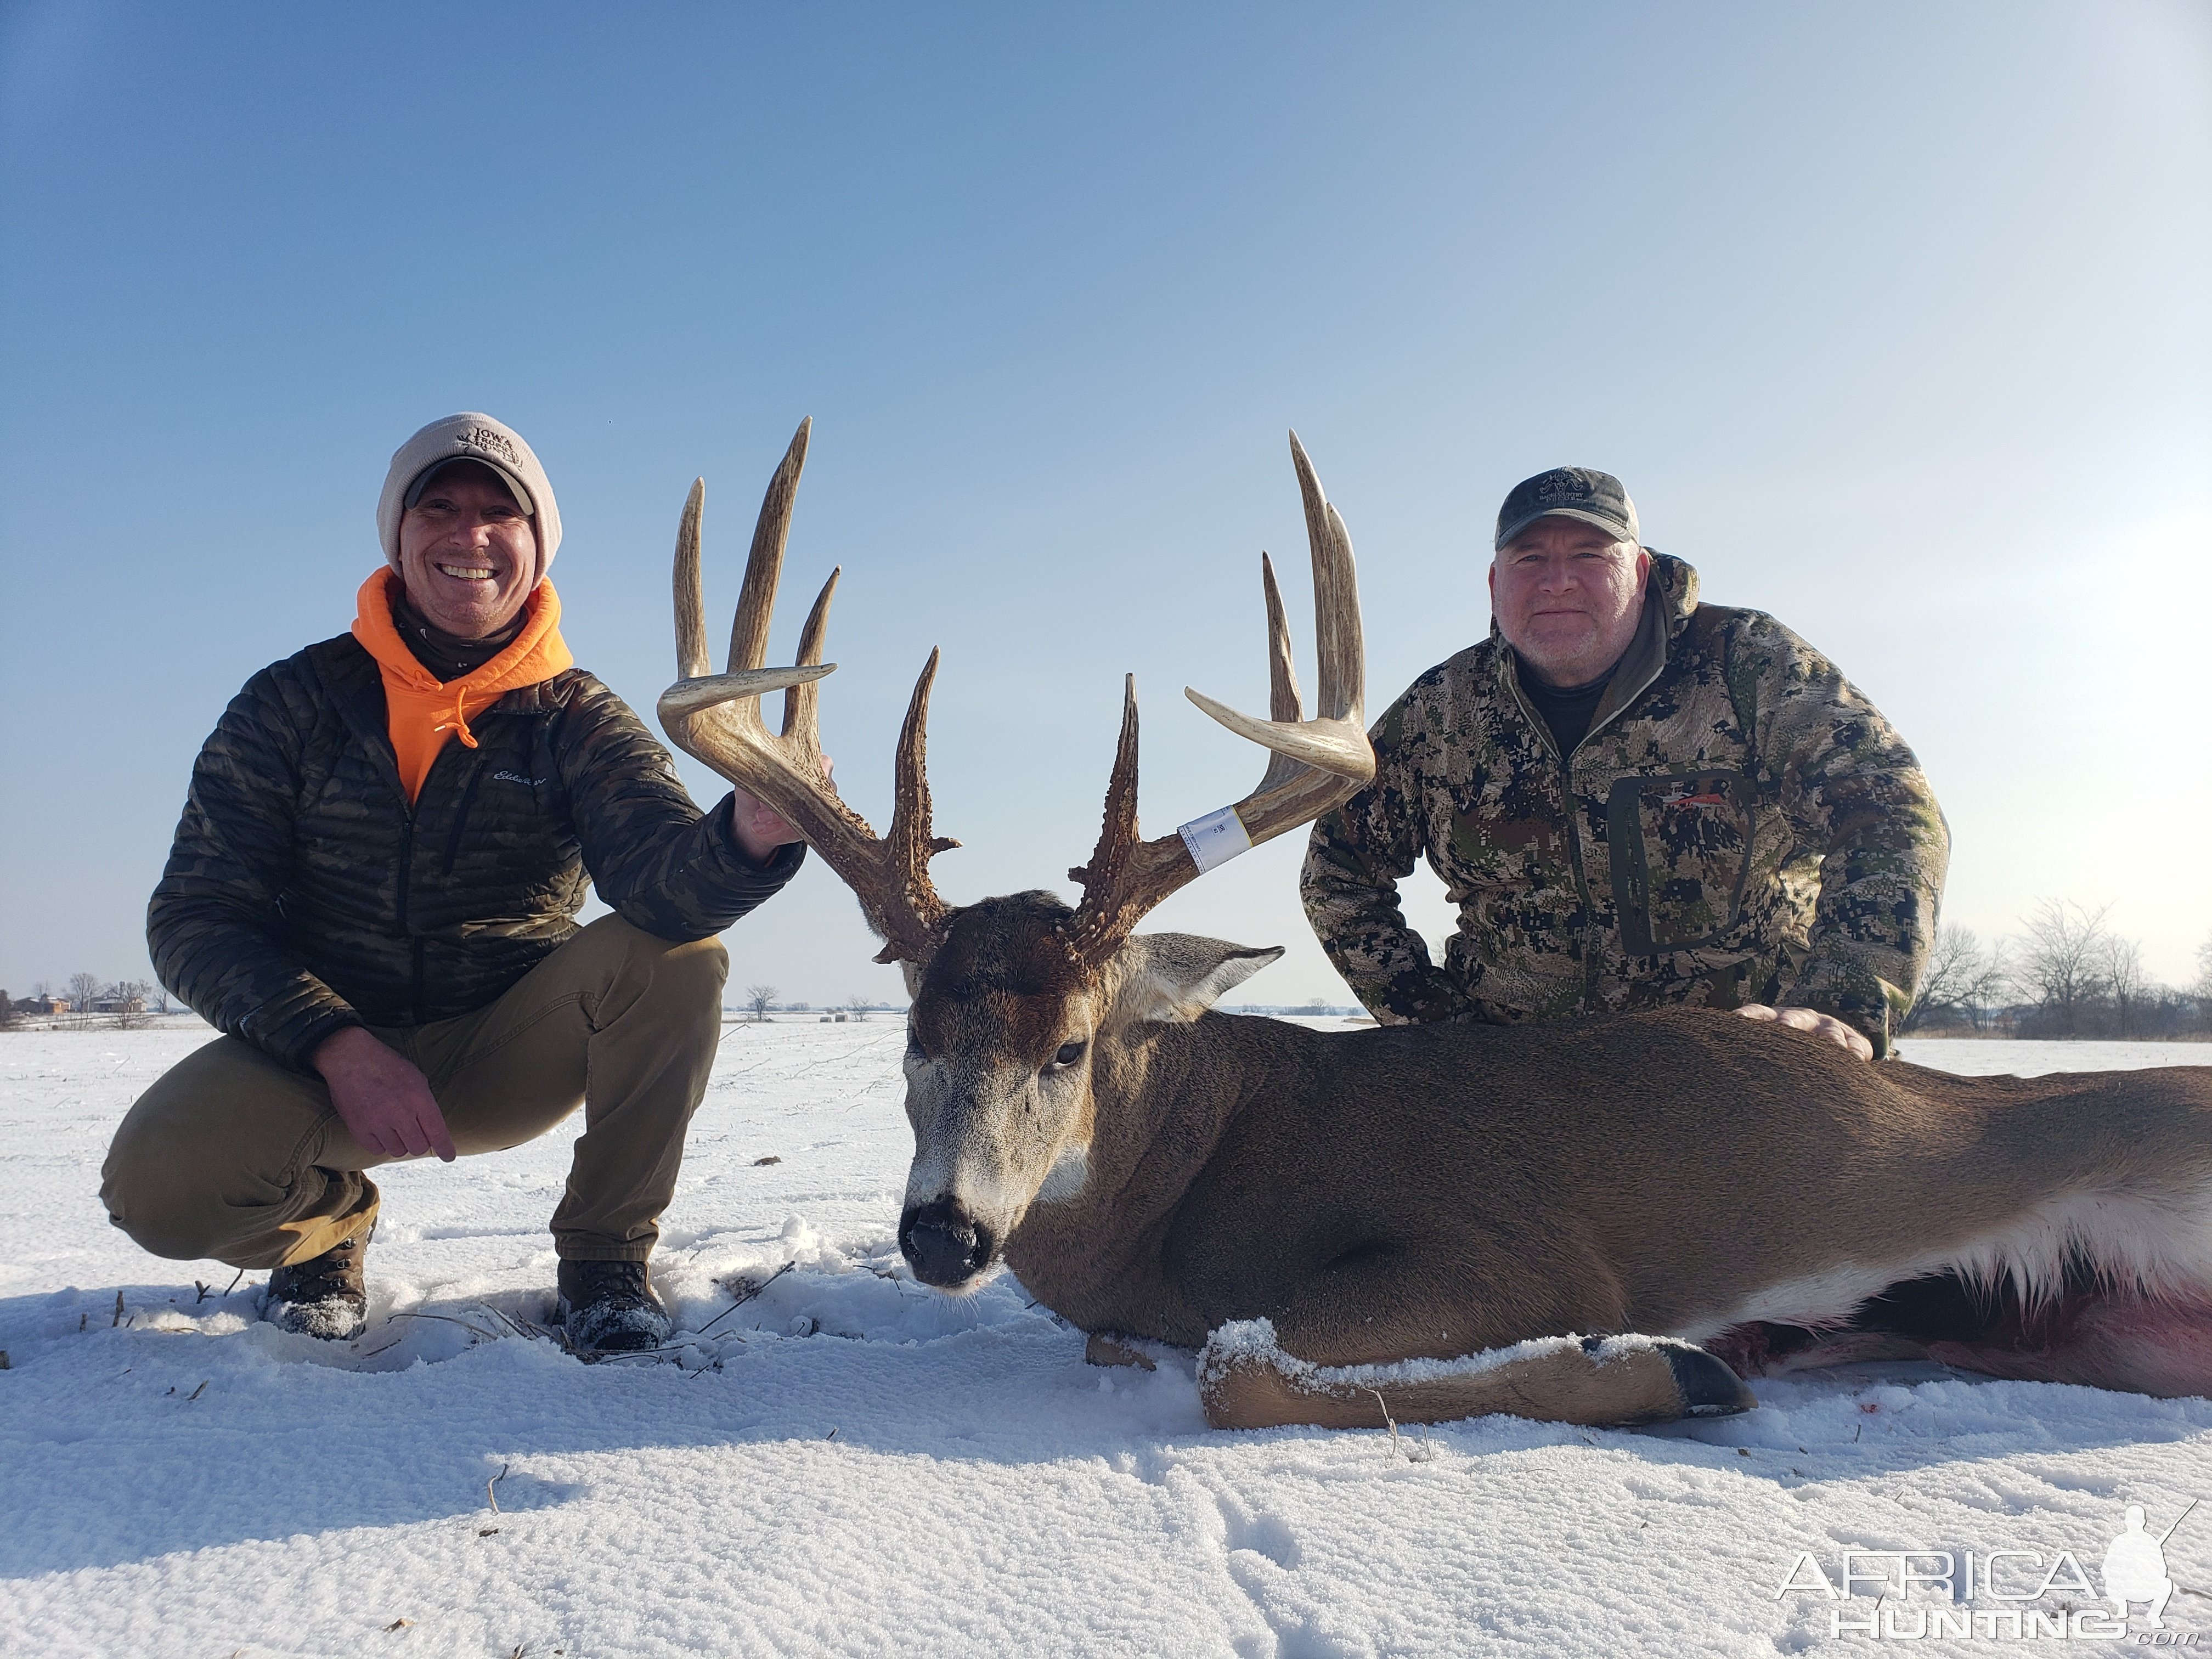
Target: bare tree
x,y
1963,980
2121,964
7,1010
129,996
760,998
1993,986
2063,961
856,1007
2203,989
83,991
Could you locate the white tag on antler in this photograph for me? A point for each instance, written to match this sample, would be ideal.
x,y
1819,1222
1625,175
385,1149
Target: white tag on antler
x,y
1215,838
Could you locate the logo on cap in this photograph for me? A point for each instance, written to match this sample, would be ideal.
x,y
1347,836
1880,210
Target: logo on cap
x,y
495,443
1578,491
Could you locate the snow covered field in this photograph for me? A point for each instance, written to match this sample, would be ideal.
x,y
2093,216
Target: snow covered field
x,y
848,1463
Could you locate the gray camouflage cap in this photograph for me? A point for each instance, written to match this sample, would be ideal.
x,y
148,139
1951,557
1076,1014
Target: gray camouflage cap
x,y
1569,492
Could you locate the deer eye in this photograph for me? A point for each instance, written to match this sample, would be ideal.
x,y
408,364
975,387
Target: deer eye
x,y
1068,1054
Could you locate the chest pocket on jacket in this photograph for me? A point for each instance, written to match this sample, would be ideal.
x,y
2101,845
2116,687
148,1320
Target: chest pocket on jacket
x,y
509,817
1679,846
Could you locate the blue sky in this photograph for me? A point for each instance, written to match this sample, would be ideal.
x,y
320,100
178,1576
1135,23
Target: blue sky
x,y
1892,317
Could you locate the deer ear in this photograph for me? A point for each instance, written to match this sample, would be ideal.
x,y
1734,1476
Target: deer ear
x,y
1178,976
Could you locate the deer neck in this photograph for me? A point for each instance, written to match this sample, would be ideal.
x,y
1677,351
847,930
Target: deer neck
x,y
1163,1097
1160,1109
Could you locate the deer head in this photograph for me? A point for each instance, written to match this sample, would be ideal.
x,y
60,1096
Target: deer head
x,y
1013,996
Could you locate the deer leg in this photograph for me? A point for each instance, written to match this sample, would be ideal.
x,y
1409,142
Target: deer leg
x,y
1438,1342
1247,1382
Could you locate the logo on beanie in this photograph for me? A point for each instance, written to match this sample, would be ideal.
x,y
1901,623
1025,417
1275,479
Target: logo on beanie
x,y
497,443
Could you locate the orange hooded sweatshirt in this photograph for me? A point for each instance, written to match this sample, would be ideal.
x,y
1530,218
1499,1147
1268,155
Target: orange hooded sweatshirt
x,y
421,711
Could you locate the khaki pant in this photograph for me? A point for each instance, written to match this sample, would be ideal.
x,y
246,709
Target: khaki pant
x,y
231,1156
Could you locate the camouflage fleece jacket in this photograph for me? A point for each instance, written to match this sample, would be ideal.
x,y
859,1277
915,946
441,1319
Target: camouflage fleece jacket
x,y
1739,825
303,895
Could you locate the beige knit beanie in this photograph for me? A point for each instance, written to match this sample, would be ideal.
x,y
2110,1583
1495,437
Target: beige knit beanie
x,y
470,438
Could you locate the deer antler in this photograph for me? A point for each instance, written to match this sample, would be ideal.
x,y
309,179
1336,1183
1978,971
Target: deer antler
x,y
1316,765
717,718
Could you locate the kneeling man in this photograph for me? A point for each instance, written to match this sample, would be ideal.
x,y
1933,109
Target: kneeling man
x,y
1635,798
372,894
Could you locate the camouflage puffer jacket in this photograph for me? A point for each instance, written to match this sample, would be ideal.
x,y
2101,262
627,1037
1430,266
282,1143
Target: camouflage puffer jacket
x,y
1739,825
303,896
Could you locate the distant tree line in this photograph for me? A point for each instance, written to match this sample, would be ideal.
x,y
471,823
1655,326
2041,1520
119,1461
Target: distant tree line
x,y
86,1000
760,1001
2065,975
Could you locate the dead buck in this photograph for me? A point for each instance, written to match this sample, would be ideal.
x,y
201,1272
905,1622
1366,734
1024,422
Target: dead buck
x,y
1404,1205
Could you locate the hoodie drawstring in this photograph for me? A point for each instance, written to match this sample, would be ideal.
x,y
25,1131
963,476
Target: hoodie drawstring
x,y
458,726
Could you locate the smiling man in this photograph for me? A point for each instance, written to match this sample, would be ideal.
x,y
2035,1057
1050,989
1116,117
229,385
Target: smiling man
x,y
373,893
1635,799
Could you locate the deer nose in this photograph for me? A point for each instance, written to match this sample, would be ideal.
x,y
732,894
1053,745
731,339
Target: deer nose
x,y
944,1245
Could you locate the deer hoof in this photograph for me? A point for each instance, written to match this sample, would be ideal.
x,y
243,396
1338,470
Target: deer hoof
x,y
1708,1387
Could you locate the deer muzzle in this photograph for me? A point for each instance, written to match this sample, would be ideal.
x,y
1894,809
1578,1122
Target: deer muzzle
x,y
945,1243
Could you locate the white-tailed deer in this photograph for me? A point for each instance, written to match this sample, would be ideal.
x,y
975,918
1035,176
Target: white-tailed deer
x,y
1445,1220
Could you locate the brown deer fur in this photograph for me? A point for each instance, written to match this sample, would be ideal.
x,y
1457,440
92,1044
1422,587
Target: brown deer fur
x,y
1411,1192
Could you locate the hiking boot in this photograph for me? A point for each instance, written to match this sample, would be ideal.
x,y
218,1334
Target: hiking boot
x,y
325,1296
609,1307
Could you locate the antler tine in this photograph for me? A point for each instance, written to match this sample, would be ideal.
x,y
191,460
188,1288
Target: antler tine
x,y
1314,765
1283,700
801,703
910,845
692,658
1119,832
1338,642
910,820
764,564
1112,903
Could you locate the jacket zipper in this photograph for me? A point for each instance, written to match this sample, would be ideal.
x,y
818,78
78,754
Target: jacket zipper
x,y
420,993
461,819
406,927
1571,808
